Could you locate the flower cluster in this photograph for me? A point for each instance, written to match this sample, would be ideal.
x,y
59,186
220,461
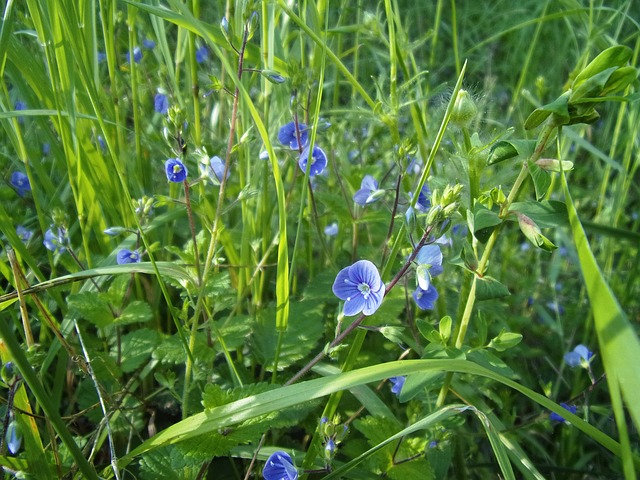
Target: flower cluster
x,y
332,435
296,137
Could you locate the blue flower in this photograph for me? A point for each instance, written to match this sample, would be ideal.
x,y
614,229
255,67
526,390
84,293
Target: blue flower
x,y
559,418
279,466
579,357
55,242
161,103
287,135
555,307
397,384
368,192
137,55
24,234
360,287
127,256
425,299
101,142
202,54
20,105
318,161
429,260
276,78
46,148
424,199
213,169
101,57
20,182
148,43
175,170
331,230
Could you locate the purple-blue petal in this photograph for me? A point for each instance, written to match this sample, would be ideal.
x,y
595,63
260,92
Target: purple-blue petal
x,y
425,299
125,256
363,271
279,466
318,159
175,170
430,255
287,135
584,352
397,384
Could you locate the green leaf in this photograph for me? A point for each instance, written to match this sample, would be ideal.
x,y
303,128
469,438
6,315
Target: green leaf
x,y
137,347
541,179
484,221
505,340
135,312
169,463
546,214
496,444
299,340
592,86
488,288
90,306
616,56
508,149
559,108
171,350
619,80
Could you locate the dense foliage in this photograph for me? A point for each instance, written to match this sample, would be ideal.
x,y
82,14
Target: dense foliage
x,y
291,239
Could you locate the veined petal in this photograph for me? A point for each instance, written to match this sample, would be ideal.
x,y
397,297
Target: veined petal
x,y
369,183
425,299
373,302
363,271
430,255
343,286
423,277
354,305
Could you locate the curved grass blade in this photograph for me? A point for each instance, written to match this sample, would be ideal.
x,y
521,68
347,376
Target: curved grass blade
x,y
285,397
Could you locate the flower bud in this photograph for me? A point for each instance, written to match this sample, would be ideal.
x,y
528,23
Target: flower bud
x,y
464,109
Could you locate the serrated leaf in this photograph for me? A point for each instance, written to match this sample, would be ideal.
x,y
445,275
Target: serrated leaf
x,y
488,288
136,348
168,463
171,350
418,469
135,312
90,306
214,395
546,214
508,149
299,340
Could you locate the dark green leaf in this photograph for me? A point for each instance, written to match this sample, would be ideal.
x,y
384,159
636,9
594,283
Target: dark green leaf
x,y
136,348
507,149
135,312
90,306
488,288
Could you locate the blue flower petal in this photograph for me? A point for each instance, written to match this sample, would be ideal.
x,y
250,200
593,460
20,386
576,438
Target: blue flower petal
x,y
175,170
279,466
397,384
287,135
318,161
425,299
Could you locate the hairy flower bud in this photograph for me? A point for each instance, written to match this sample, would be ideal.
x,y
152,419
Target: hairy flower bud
x,y
464,109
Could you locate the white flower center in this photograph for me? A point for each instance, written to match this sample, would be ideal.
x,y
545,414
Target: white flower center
x,y
364,290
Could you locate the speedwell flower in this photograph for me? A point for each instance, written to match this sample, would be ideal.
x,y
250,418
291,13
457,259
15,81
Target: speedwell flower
x,y
425,299
213,169
127,256
396,384
318,161
279,466
360,287
202,54
24,234
429,260
137,55
161,103
287,135
368,192
559,418
331,230
175,170
20,182
579,357
56,242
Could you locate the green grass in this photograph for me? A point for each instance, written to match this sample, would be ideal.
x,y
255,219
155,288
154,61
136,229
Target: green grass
x,y
226,342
